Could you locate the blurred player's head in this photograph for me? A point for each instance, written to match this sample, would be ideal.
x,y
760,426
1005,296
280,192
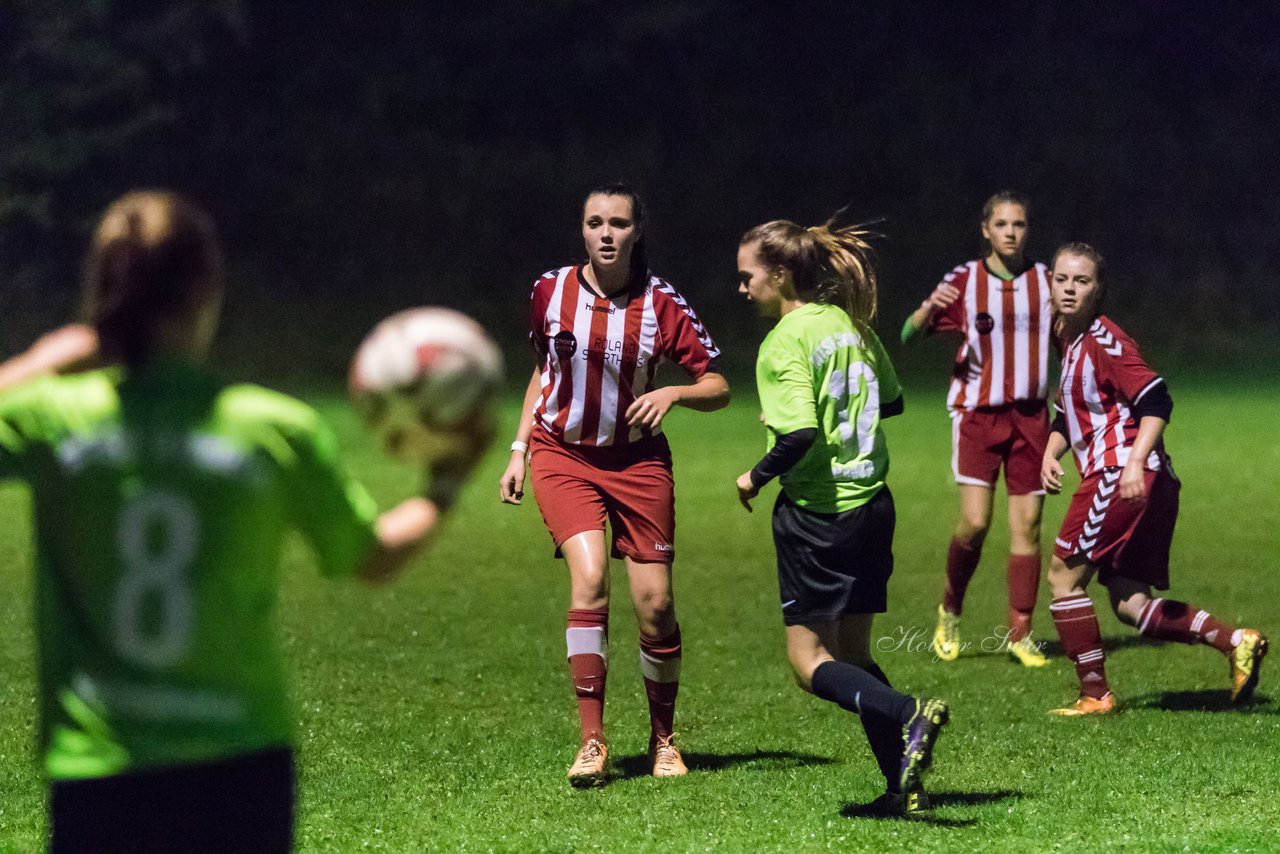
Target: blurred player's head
x,y
1004,225
826,263
613,230
1076,283
153,278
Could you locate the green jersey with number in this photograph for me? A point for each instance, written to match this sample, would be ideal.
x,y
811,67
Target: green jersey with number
x,y
161,499
815,369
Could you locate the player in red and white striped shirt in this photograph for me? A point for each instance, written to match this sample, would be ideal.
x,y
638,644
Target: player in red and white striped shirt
x,y
1000,306
600,330
1112,411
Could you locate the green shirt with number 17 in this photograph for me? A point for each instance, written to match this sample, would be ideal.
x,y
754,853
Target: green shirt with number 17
x,y
161,498
817,370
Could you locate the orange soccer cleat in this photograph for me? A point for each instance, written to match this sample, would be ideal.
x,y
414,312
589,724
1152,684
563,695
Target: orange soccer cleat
x,y
588,767
1086,705
667,761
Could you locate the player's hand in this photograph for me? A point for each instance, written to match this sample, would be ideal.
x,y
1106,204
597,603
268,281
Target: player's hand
x,y
943,295
1051,475
448,473
746,490
650,408
511,486
1133,481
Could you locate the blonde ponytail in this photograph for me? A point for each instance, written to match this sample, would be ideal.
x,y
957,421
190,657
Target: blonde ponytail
x,y
852,281
828,263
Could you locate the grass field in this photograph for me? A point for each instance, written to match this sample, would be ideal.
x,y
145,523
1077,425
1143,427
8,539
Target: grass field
x,y
437,714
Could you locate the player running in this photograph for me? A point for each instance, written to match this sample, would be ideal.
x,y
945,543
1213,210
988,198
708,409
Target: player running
x,y
599,330
1000,305
825,383
1112,412
161,497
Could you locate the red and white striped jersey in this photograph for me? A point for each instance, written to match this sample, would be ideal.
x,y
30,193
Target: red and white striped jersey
x,y
1103,377
1006,327
598,355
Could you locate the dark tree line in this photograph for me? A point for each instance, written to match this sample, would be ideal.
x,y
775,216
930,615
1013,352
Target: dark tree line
x,y
365,156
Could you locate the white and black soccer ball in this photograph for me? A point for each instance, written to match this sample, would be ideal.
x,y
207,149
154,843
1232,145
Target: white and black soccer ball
x,y
424,380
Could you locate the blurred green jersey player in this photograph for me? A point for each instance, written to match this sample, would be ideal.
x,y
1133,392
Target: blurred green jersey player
x,y
161,498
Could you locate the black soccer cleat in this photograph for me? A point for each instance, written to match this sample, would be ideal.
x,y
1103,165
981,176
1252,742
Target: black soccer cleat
x,y
921,735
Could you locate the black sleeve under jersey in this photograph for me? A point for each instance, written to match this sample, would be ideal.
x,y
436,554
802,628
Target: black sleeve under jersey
x,y
1059,426
788,450
892,408
1155,402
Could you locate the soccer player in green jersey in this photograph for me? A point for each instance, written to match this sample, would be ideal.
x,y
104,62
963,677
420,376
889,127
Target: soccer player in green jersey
x,y
825,383
161,498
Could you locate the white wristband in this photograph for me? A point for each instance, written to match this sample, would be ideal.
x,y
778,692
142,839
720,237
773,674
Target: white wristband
x,y
522,447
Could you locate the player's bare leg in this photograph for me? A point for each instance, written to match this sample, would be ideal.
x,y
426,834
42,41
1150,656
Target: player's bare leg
x,y
1024,577
963,554
587,641
660,655
1077,625
1171,620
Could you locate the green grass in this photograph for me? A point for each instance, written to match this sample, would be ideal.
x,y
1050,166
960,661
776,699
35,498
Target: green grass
x,y
437,714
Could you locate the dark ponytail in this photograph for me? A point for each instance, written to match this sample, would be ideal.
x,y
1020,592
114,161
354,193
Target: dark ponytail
x,y
154,257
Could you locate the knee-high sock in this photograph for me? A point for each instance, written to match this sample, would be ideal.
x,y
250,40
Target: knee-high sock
x,y
587,639
1024,583
858,691
1166,619
885,738
660,664
962,560
1077,625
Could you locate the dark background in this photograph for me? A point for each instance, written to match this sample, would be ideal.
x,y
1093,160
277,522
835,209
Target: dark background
x,y
363,157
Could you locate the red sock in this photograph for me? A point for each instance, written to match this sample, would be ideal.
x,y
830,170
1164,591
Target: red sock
x,y
1024,583
587,639
962,560
1166,619
1077,625
660,664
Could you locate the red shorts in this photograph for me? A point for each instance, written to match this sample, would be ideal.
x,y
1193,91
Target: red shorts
x,y
1128,538
579,487
1014,435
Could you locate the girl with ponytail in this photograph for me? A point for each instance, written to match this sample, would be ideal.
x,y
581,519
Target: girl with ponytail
x,y
825,383
163,496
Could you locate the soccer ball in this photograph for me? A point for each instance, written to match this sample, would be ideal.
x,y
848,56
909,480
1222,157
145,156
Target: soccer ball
x,y
425,381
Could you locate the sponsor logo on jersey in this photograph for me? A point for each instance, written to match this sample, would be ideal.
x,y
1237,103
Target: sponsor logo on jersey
x,y
613,351
607,309
565,344
984,323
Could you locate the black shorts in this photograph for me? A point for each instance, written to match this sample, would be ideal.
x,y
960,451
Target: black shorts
x,y
244,803
832,564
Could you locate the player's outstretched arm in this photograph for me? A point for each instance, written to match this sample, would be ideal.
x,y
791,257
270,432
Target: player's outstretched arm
x,y
69,348
511,485
406,529
403,531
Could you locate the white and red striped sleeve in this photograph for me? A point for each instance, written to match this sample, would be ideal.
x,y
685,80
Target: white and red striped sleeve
x,y
1119,360
683,338
539,301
